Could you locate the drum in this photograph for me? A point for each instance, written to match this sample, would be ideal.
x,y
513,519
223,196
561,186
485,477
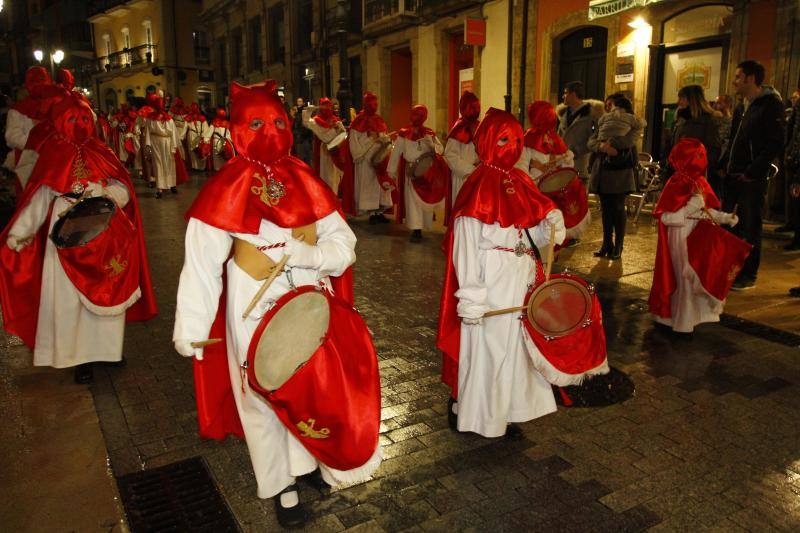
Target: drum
x,y
557,179
564,187
565,323
423,163
312,358
717,256
383,152
98,249
339,139
83,222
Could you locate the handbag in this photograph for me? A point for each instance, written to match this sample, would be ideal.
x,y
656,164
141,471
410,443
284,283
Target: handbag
x,y
625,159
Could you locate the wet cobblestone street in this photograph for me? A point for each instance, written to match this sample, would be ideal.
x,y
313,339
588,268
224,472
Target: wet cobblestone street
x,y
710,441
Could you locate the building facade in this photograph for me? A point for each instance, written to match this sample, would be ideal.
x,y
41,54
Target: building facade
x,y
144,46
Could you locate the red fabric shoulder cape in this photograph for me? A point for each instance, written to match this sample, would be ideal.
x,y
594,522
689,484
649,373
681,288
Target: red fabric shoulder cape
x,y
484,197
675,195
369,122
21,272
546,142
412,133
463,130
227,202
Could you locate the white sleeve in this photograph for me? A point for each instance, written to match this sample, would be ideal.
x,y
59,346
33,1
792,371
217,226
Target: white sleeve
x,y
337,242
472,291
18,127
437,145
34,214
360,144
524,163
675,218
117,192
568,160
394,160
456,155
541,233
146,134
200,286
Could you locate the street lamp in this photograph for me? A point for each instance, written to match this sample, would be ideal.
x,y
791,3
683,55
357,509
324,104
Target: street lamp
x,y
58,56
38,55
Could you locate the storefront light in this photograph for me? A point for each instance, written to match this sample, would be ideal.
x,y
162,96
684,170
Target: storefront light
x,y
642,32
638,23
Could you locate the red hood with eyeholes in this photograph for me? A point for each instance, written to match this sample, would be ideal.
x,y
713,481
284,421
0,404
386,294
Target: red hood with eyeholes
x,y
496,192
542,136
67,137
178,107
290,194
325,117
220,119
159,111
368,119
416,130
194,114
38,84
464,129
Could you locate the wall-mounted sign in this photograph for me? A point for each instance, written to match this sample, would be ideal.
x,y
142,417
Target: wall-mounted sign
x,y
606,8
475,32
700,22
623,72
465,80
693,67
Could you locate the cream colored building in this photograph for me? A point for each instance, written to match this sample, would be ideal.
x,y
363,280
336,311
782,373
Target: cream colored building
x,y
150,46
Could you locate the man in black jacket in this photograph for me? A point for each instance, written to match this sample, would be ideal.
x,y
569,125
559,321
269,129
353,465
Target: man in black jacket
x,y
757,135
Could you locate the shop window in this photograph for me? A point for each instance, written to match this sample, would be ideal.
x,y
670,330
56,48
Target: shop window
x,y
704,21
277,40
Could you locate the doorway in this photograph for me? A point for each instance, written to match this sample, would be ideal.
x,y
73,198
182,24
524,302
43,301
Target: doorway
x,y
400,92
110,99
461,64
582,56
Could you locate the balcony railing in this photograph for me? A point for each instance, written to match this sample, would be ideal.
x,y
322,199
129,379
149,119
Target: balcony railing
x,y
131,57
378,11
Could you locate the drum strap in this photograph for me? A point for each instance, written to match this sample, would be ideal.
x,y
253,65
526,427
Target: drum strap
x,y
533,246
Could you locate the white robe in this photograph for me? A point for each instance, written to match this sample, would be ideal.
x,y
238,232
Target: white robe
x,y
277,456
210,137
196,132
497,381
67,332
369,194
137,143
328,171
462,160
18,128
162,137
690,304
419,214
181,127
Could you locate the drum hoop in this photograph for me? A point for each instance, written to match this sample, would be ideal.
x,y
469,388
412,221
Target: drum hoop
x,y
59,223
555,171
262,325
582,287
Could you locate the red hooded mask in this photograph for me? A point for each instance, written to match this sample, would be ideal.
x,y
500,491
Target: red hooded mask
x,y
178,107
262,182
416,130
65,79
70,153
221,118
159,110
464,129
325,116
368,118
542,136
496,192
194,114
37,82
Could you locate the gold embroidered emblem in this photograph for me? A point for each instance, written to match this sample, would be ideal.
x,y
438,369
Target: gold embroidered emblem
x,y
307,430
572,208
270,191
116,266
735,269
509,183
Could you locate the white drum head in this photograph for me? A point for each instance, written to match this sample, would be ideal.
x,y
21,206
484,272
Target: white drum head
x,y
557,179
290,338
423,164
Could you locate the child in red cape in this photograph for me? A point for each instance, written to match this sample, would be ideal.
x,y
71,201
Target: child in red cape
x,y
459,150
678,298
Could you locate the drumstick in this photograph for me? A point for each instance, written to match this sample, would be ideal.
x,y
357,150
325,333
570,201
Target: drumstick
x,y
267,282
208,342
550,251
504,311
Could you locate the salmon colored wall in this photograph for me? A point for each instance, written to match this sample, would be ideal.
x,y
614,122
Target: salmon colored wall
x,y
549,12
761,33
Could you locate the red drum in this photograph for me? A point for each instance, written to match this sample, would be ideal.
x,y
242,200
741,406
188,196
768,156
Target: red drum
x,y
564,187
565,322
97,248
717,256
313,359
431,183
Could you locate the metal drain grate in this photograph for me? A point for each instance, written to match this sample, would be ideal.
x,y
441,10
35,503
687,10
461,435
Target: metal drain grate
x,y
177,497
760,330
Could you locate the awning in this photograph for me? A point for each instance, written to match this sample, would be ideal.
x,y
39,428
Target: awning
x,y
606,8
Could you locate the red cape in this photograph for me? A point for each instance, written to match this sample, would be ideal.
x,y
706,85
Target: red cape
x,y
463,130
227,202
365,122
546,142
484,198
677,192
21,272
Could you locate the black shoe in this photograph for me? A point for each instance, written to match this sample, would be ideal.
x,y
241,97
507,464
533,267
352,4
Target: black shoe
x,y
83,374
416,236
793,246
158,195
743,284
315,480
173,190
784,229
452,418
290,517
617,252
573,243
373,219
382,219
514,432
794,291
151,184
603,251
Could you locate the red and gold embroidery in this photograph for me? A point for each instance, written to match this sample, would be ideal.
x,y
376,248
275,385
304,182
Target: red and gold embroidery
x,y
116,266
307,430
270,191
